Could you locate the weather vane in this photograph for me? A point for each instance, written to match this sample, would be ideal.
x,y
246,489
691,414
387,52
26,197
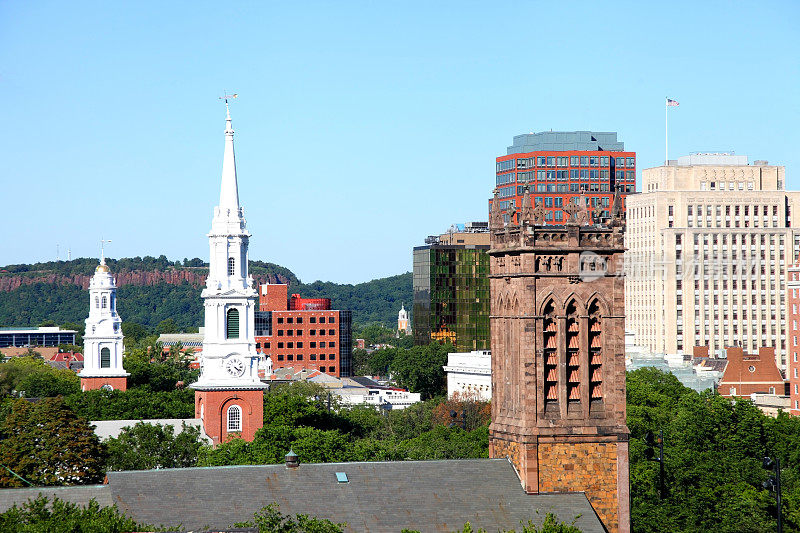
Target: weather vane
x,y
103,243
226,96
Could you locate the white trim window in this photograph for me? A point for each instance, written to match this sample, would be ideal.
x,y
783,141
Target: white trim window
x,y
234,419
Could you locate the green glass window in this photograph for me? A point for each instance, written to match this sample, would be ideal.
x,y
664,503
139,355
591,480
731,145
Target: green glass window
x,y
105,358
232,324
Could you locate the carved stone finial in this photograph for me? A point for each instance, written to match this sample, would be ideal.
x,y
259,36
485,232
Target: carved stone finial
x,y
617,215
496,216
527,215
539,215
573,209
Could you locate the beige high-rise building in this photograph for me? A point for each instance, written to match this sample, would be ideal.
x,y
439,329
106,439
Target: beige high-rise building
x,y
710,239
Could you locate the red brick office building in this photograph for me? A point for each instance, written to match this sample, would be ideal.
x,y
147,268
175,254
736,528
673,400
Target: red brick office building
x,y
558,166
303,333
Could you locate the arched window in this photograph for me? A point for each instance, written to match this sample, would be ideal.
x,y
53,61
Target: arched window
x,y
112,301
105,302
595,353
550,331
231,266
234,418
105,358
232,325
96,302
573,355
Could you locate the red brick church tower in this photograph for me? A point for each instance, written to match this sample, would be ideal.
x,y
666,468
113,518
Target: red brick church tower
x,y
558,356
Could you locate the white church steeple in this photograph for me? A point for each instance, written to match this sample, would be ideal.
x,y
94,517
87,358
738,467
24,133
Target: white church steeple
x,y
102,352
229,191
229,357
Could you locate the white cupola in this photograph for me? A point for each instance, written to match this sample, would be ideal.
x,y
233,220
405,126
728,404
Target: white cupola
x,y
102,340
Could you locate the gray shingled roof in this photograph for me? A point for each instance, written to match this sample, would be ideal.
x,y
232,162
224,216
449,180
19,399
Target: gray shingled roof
x,y
379,496
80,495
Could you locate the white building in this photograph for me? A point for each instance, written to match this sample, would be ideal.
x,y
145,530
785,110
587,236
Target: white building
x,y
470,374
102,341
710,239
363,391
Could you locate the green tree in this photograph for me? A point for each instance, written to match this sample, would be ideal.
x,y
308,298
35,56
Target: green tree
x,y
713,448
41,515
50,383
134,332
375,334
270,520
132,404
48,444
420,369
35,377
147,446
167,325
551,524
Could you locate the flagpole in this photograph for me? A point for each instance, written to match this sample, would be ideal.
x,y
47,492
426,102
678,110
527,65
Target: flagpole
x,y
666,132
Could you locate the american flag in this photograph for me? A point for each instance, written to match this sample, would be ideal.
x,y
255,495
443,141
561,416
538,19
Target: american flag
x,y
672,103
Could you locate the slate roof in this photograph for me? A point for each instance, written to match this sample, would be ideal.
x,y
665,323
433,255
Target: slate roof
x,y
80,495
112,428
378,497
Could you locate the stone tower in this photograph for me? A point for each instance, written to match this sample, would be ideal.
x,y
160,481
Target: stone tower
x,y
102,342
229,396
558,357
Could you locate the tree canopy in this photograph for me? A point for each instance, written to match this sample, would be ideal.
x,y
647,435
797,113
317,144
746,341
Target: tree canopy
x,y
46,443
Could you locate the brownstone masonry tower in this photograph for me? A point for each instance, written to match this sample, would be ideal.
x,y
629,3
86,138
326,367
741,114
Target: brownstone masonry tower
x,y
558,356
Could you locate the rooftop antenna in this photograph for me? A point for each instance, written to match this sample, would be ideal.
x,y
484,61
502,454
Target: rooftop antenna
x,y
57,253
69,254
103,243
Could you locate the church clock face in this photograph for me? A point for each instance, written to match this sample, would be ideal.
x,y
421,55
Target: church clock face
x,y
234,366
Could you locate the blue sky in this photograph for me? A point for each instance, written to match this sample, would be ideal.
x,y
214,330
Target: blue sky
x,y
361,127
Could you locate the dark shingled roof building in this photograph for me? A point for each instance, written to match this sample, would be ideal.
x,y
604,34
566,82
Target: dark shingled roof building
x,y
373,496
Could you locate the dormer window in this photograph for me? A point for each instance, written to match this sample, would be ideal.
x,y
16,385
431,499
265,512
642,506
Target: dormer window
x,y
231,266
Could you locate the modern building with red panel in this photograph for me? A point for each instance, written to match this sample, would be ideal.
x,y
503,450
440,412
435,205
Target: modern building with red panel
x,y
557,166
793,337
303,333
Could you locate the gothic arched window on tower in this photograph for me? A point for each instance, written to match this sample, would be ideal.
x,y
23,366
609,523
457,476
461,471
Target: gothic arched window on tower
x,y
105,358
595,354
105,302
234,418
549,331
573,356
232,324
231,266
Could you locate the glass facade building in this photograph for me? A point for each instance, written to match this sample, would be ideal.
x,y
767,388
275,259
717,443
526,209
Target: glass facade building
x,y
43,336
451,295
